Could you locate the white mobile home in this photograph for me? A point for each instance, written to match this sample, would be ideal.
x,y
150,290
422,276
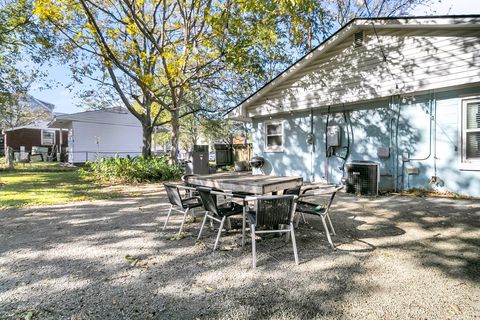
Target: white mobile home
x,y
100,133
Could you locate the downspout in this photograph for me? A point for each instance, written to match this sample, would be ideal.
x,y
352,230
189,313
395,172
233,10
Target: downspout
x,y
430,136
396,143
435,136
390,144
312,149
404,160
327,158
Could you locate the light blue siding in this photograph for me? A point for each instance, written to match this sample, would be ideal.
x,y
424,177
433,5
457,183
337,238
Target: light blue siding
x,y
374,125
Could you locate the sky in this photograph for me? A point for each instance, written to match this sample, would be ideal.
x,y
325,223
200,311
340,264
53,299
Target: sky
x,y
60,77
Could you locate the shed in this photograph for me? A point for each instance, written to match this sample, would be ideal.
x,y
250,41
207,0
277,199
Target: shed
x,y
100,133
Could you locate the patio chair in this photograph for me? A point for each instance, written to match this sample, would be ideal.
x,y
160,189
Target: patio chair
x,y
190,190
272,211
219,213
295,191
320,210
179,204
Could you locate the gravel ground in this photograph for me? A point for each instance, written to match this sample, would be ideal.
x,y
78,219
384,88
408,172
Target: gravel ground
x,y
397,258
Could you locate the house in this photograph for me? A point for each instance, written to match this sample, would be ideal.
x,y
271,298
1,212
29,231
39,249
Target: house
x,y
25,124
100,133
36,134
401,92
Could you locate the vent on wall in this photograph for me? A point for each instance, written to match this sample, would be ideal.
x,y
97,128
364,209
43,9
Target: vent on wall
x,y
358,39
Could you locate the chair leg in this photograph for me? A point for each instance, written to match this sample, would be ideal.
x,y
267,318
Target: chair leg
x,y
254,251
331,225
294,244
219,233
168,216
183,222
303,217
228,224
203,224
327,232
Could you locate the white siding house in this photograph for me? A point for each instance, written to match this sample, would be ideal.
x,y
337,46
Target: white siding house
x,y
100,133
404,92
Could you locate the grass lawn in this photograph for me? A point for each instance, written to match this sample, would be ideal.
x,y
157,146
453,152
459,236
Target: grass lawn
x,y
46,183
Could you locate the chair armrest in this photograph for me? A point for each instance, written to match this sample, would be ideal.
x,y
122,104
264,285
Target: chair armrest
x,y
186,187
191,198
220,193
331,189
253,198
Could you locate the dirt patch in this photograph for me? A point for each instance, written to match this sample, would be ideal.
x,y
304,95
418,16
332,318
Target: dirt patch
x,y
398,257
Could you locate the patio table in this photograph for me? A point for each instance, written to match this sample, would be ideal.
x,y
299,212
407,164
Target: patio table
x,y
246,183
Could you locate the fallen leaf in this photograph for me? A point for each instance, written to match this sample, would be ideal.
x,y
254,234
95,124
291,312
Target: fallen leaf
x,y
455,309
29,315
208,289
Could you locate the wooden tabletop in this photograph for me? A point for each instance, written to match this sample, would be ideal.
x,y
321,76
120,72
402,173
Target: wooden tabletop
x,y
245,182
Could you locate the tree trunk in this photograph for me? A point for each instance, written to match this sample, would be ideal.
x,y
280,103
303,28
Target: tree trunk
x,y
175,136
147,140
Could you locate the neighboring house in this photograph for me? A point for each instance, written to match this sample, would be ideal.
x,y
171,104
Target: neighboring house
x,y
403,92
29,115
101,133
37,134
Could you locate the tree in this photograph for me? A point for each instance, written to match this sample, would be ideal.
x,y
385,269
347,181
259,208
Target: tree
x,y
20,40
345,10
19,109
190,131
163,57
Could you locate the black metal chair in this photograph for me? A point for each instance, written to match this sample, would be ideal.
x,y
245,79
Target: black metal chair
x,y
320,210
272,211
219,213
179,204
296,192
293,191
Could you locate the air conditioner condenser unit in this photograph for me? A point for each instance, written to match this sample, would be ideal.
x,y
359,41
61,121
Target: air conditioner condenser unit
x,y
363,177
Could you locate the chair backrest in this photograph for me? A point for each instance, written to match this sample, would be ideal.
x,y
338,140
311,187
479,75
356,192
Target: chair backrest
x,y
208,199
332,197
274,210
295,191
173,194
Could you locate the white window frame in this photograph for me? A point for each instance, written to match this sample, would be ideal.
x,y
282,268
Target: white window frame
x,y
282,135
464,163
54,137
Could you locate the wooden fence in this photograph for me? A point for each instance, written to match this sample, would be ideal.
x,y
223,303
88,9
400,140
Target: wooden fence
x,y
242,152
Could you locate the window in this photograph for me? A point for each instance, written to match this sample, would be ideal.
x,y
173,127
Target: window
x,y
48,137
274,136
470,134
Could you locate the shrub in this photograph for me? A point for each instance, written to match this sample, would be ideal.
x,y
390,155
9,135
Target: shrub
x,y
137,169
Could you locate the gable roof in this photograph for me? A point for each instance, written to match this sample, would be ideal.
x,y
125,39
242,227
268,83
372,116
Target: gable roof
x,y
38,125
33,103
111,116
357,24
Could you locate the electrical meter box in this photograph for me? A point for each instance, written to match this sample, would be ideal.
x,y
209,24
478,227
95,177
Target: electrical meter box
x,y
333,136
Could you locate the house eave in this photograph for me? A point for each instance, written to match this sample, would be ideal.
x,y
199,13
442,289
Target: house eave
x,y
456,21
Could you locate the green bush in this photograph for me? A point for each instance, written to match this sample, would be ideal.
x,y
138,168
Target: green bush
x,y
137,169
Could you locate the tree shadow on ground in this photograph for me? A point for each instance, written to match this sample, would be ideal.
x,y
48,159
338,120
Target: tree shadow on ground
x,y
71,261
